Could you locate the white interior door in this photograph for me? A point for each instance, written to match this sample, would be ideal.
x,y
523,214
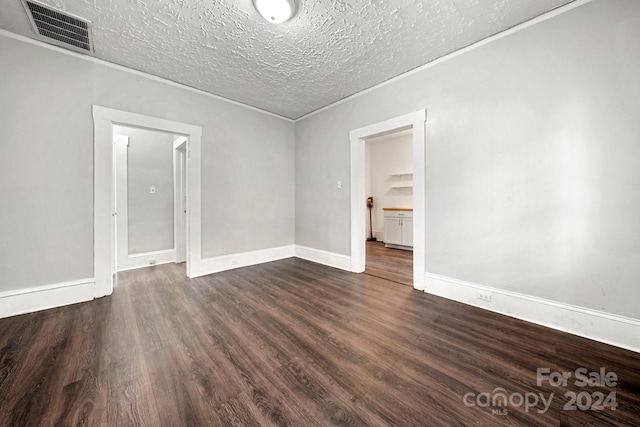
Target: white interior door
x,y
180,198
121,145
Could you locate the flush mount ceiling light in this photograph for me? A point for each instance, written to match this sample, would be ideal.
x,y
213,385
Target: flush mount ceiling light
x,y
276,11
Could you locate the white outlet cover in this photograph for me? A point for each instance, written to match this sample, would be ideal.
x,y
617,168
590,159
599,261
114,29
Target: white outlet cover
x,y
484,296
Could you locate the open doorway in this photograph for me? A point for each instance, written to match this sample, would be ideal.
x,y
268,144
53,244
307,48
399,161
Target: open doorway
x,y
415,122
104,188
150,197
389,189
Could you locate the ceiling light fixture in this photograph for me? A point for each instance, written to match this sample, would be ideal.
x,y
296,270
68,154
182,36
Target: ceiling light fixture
x,y
276,11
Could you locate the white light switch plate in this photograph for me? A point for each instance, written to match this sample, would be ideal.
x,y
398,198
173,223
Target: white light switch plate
x,y
152,190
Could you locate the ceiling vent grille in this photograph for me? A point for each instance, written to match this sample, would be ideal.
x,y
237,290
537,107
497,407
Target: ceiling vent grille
x,y
59,28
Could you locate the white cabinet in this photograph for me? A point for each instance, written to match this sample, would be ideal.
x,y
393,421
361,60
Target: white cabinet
x,y
392,231
406,224
398,228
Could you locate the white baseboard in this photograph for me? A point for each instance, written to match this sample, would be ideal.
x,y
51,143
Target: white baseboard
x,y
330,259
13,303
147,259
244,259
597,325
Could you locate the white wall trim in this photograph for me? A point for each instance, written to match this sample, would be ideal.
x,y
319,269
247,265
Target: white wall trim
x,y
597,325
163,252
104,249
147,259
85,57
13,303
318,256
415,121
243,259
555,12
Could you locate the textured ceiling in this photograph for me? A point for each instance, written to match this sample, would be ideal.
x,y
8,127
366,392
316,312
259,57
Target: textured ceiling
x,y
331,49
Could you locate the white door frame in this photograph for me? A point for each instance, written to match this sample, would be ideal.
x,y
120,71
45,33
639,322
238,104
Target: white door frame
x,y
104,223
416,122
179,202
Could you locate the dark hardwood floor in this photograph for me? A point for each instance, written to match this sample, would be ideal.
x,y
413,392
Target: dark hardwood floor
x,y
293,343
391,264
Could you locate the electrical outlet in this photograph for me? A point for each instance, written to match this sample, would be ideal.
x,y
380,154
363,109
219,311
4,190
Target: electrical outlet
x,y
152,261
485,296
339,184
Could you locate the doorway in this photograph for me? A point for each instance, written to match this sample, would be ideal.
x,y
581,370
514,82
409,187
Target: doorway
x,y
150,197
358,137
104,189
389,189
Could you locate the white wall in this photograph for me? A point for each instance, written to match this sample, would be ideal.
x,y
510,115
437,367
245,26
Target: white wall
x,y
149,163
532,155
389,156
46,217
46,170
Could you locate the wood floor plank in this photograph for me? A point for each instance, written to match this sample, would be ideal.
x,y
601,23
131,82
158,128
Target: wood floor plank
x,y
331,406
290,343
391,264
130,403
176,395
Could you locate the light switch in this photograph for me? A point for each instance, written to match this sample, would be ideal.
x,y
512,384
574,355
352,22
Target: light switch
x,y
152,190
339,184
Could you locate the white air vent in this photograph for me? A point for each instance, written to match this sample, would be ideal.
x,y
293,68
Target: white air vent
x,y
59,28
